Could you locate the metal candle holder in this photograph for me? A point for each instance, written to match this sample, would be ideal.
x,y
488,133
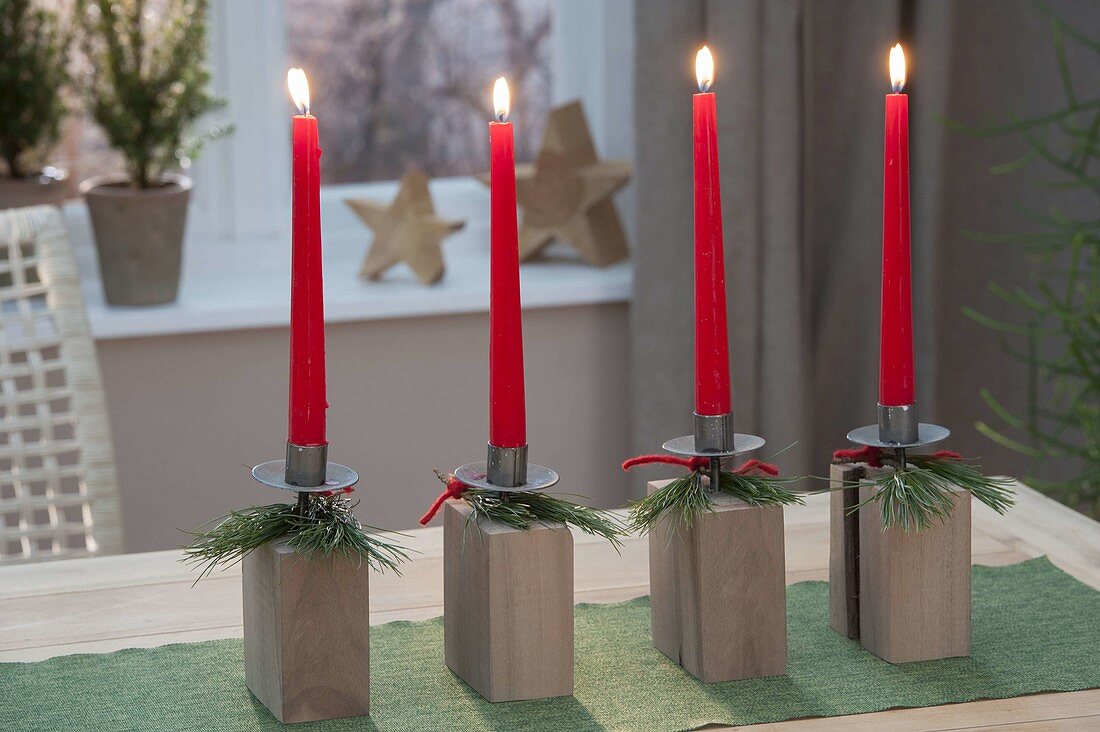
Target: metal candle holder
x,y
305,470
506,470
714,438
899,430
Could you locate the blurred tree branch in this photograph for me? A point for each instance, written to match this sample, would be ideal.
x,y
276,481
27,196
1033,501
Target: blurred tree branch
x,y
1060,332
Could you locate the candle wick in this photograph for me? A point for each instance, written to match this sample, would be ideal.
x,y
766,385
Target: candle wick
x,y
704,87
501,117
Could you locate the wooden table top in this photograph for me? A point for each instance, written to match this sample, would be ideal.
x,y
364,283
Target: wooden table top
x,y
141,600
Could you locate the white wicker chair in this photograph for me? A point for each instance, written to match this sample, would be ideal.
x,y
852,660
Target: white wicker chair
x,y
58,487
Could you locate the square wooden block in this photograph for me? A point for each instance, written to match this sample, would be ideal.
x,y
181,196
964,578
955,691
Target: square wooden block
x,y
717,591
306,634
914,587
508,606
844,549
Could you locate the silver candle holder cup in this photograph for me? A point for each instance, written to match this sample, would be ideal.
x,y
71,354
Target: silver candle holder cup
x,y
898,429
506,470
305,469
713,438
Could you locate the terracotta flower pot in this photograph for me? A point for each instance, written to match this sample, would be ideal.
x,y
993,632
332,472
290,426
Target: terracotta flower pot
x,y
37,191
138,236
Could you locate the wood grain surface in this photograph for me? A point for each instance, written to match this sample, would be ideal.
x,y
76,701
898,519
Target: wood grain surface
x,y
307,634
914,600
844,550
103,604
717,593
508,596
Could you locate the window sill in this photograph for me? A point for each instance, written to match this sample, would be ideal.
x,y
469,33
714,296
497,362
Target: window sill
x,y
246,284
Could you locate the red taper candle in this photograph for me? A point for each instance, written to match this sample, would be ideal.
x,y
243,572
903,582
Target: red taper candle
x,y
712,361
896,381
307,308
507,409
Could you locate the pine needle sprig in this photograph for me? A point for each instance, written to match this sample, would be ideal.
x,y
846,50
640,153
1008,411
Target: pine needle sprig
x,y
686,497
682,499
920,494
522,509
328,527
913,498
236,535
759,490
997,493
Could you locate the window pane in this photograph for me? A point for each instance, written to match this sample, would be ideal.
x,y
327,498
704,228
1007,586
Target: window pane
x,y
407,83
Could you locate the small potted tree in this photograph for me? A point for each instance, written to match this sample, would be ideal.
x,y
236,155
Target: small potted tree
x,y
148,84
33,61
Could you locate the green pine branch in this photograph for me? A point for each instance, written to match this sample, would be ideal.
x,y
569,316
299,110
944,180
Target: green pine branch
x,y
1055,333
922,493
327,528
521,510
685,498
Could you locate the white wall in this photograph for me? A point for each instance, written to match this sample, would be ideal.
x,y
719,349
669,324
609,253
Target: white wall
x,y
190,412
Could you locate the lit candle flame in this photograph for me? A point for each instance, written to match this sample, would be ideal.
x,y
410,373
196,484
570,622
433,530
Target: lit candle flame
x,y
502,100
704,69
897,68
299,89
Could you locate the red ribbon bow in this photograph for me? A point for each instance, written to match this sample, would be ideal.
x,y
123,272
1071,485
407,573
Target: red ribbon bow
x,y
873,455
330,494
700,463
454,489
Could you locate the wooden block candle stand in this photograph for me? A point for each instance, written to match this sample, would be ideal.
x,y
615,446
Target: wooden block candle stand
x,y
508,606
718,593
718,596
904,595
307,633
306,616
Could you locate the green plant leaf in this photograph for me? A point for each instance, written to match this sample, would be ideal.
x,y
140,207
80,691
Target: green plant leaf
x,y
148,83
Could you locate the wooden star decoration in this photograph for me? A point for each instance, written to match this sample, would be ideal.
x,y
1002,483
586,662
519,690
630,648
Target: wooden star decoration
x,y
407,230
566,193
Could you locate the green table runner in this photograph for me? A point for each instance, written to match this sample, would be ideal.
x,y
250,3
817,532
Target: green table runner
x,y
1035,629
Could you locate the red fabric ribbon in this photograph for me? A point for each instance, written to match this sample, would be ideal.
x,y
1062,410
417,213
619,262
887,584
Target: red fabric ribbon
x,y
873,455
330,494
454,489
750,465
692,463
870,455
700,463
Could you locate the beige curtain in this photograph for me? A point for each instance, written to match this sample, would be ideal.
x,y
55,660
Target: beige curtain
x,y
800,85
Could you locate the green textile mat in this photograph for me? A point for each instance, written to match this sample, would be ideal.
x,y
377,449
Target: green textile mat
x,y
1034,629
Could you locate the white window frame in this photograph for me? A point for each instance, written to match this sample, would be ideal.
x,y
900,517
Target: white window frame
x,y
242,189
